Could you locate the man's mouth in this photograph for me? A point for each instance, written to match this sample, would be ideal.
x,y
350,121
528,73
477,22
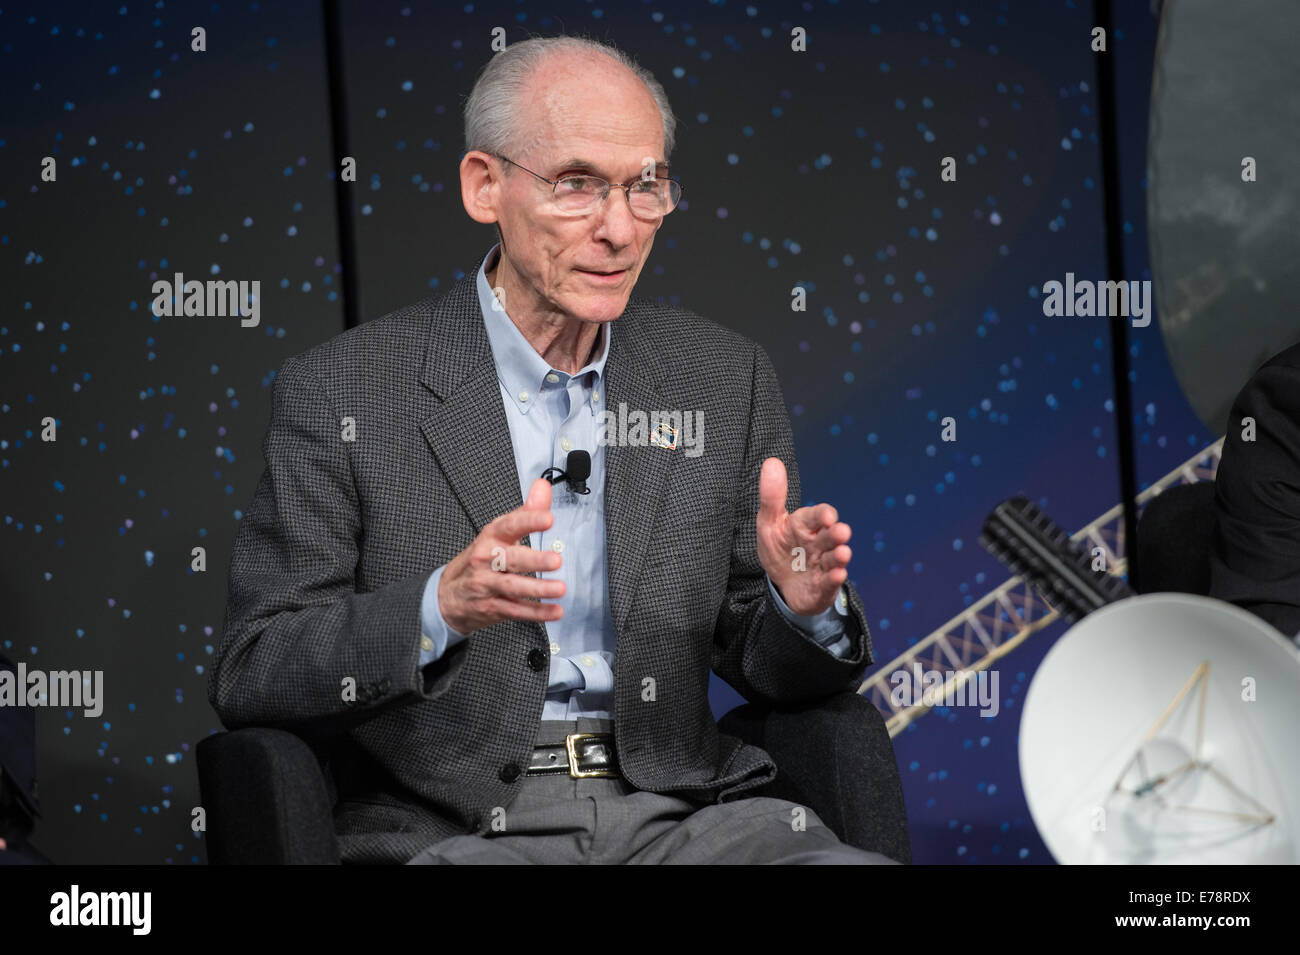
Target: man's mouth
x,y
604,276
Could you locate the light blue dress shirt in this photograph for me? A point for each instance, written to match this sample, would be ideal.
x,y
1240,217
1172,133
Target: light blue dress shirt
x,y
551,413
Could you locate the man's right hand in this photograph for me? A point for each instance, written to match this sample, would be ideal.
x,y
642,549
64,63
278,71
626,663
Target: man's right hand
x,y
485,583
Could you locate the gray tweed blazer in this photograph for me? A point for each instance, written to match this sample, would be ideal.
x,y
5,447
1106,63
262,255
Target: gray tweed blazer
x,y
332,555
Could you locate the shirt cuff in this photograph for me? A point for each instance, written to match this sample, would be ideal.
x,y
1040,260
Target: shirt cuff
x,y
435,636
582,672
827,628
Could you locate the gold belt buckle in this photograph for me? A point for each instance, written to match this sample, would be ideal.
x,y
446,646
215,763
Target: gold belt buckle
x,y
571,744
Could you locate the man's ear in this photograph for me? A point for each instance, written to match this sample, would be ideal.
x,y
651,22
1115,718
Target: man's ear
x,y
475,178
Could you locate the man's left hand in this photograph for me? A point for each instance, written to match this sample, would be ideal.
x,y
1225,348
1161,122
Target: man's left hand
x,y
825,554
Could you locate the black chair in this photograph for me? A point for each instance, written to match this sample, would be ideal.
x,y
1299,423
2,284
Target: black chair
x,y
1175,536
267,799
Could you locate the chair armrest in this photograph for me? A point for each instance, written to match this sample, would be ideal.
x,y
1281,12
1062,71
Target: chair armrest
x,y
836,758
1175,539
267,800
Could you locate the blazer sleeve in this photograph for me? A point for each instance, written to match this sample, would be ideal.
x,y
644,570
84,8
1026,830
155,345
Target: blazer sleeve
x,y
1255,561
755,649
298,636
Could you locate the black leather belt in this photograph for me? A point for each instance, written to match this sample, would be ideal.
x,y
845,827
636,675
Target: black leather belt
x,y
580,755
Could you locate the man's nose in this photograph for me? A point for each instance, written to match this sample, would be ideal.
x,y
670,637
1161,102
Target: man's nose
x,y
616,219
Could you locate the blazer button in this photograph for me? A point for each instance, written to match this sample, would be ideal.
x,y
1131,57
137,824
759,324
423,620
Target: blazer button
x,y
509,773
537,659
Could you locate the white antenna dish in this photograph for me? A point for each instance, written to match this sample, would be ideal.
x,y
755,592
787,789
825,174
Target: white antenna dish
x,y
1162,729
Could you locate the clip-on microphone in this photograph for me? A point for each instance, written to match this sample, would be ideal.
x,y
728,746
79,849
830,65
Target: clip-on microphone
x,y
577,470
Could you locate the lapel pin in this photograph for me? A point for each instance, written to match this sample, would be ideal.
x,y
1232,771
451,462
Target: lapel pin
x,y
664,436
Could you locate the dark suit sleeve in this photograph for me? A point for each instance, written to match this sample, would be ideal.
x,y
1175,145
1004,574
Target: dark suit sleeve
x,y
296,629
756,649
1255,561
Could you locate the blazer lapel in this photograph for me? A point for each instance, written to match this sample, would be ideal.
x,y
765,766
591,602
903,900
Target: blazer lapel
x,y
467,431
634,476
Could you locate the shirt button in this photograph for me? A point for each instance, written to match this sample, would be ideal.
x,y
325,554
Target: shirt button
x,y
536,659
566,444
552,377
842,602
595,396
523,396
509,773
588,661
426,643
557,546
555,648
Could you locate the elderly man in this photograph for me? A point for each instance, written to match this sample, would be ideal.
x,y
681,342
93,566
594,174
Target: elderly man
x,y
505,671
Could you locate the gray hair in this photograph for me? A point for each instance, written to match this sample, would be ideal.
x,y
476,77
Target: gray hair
x,y
490,121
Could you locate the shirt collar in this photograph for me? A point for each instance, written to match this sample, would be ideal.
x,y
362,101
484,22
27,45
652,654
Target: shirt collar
x,y
521,370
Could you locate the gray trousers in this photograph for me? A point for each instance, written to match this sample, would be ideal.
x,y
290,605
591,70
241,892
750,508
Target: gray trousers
x,y
561,820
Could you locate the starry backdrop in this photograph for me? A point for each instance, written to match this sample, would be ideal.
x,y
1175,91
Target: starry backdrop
x,y
817,169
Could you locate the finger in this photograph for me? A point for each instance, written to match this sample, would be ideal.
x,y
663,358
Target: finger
x,y
828,538
772,489
539,496
518,559
511,527
831,555
806,521
828,548
524,610
515,587
815,519
837,557
831,558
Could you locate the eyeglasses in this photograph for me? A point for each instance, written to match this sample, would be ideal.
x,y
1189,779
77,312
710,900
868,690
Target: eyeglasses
x,y
579,195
